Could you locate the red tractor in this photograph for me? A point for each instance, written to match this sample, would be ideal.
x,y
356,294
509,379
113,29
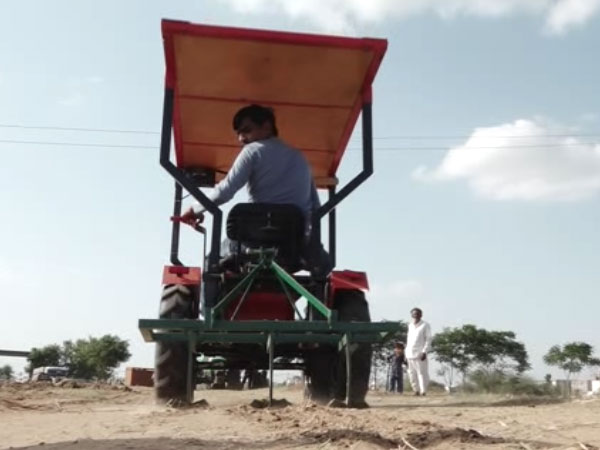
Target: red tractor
x,y
247,317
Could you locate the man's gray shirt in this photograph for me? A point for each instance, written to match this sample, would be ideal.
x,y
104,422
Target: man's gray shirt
x,y
274,173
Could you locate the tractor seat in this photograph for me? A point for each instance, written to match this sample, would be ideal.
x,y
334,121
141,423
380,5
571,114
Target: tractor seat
x,y
255,225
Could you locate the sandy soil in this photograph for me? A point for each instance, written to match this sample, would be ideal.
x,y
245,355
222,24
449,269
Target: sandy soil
x,y
102,418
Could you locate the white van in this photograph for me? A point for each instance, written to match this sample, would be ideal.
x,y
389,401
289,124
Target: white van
x,y
49,373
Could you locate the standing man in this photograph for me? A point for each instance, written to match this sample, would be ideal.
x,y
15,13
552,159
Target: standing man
x,y
417,346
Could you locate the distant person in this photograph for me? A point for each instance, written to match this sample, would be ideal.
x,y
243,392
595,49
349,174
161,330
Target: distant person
x,y
249,377
418,344
233,379
398,361
219,380
262,380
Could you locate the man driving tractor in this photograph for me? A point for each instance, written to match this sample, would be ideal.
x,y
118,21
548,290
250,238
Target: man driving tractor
x,y
273,172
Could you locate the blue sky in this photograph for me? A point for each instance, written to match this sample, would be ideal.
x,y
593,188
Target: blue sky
x,y
484,207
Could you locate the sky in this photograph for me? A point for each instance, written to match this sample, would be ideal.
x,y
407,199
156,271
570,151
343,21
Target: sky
x,y
484,207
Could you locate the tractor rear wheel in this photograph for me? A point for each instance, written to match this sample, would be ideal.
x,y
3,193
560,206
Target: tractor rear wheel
x,y
320,370
353,307
171,360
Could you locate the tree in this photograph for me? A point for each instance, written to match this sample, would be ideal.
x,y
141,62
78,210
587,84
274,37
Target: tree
x,y
49,355
382,352
95,357
498,350
6,372
572,357
452,350
461,349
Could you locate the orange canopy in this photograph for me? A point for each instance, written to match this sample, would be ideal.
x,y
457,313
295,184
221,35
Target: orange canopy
x,y
316,85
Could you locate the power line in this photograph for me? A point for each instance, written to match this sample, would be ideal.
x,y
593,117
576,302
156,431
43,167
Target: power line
x,y
466,136
408,137
483,147
76,144
388,149
95,130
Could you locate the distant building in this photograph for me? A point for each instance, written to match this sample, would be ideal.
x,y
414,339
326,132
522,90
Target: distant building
x,y
577,387
139,376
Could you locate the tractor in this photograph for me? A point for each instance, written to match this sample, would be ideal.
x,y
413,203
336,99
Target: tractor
x,y
242,310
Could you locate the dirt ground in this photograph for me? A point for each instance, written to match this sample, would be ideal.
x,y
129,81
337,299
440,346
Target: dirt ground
x,y
104,417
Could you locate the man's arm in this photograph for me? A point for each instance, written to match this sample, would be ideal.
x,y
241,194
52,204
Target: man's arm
x,y
236,178
427,336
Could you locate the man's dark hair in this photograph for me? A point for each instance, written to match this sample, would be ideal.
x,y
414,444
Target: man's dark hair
x,y
416,309
399,345
257,114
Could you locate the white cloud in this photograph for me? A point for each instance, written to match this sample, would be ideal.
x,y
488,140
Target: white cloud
x,y
16,273
590,117
405,289
7,274
94,79
523,160
78,90
342,15
565,14
74,98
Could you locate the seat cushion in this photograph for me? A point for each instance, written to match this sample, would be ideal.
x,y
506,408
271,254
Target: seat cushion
x,y
265,224
281,226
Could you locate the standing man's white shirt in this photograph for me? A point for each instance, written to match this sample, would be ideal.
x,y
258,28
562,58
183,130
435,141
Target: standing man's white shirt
x,y
418,340
417,345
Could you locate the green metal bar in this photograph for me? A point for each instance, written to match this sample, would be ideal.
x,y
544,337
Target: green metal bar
x,y
208,317
190,382
147,334
346,340
308,338
231,294
259,338
291,282
241,338
16,353
271,349
267,325
289,297
250,338
242,299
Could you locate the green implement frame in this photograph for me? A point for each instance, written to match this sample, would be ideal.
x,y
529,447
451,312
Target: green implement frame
x,y
214,329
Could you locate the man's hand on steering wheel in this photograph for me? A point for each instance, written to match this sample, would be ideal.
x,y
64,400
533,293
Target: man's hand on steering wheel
x,y
191,218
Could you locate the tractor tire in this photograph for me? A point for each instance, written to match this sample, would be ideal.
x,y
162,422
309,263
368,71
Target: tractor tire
x,y
320,368
320,365
171,360
353,307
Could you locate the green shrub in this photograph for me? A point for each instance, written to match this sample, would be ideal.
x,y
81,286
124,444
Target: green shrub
x,y
499,382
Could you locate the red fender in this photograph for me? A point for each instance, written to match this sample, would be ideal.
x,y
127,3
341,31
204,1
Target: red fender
x,y
347,279
182,275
